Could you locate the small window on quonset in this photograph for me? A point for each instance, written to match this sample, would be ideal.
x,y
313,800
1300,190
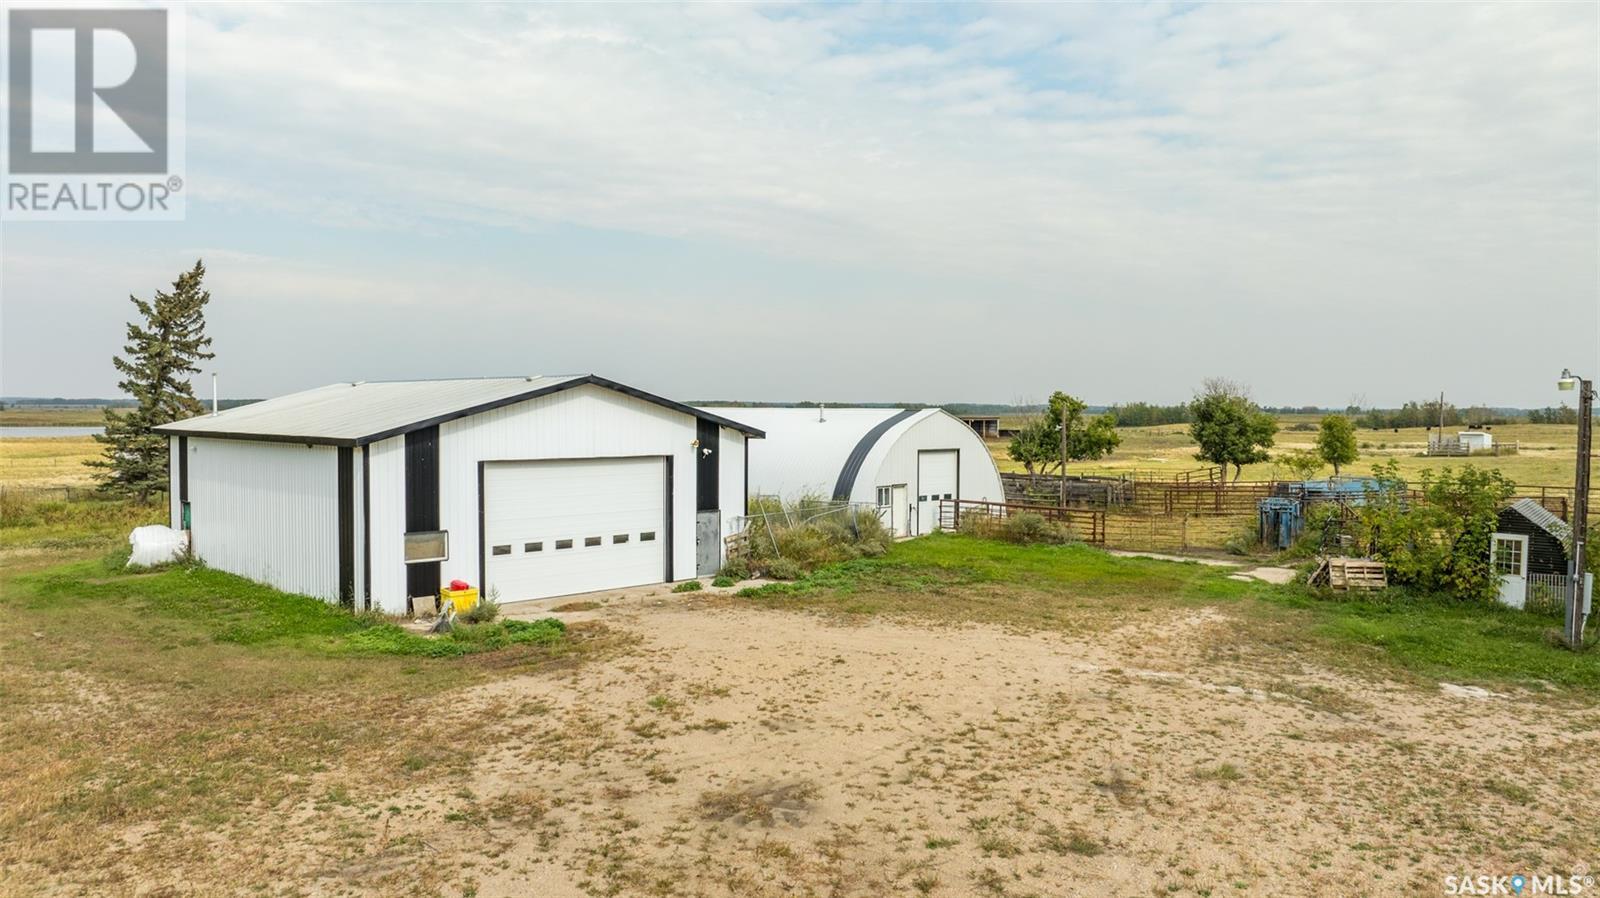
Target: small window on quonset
x,y
533,547
647,536
563,544
502,550
427,545
620,538
592,540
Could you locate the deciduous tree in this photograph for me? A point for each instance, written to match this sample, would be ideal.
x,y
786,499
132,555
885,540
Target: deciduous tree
x,y
1037,446
1336,442
1228,427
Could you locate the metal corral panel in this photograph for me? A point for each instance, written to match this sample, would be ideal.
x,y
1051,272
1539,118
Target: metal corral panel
x,y
267,511
805,449
386,509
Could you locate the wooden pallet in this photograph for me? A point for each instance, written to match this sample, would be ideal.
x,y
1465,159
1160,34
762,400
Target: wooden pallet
x,y
1350,573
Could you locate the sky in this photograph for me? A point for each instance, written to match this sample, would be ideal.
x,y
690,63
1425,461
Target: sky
x,y
920,203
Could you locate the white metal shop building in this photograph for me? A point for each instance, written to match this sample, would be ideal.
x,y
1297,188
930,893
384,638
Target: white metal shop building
x,y
371,493
904,461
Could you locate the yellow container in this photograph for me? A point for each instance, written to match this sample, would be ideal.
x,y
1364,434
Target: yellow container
x,y
462,599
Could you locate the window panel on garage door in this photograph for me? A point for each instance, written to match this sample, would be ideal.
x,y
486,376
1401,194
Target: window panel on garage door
x,y
581,507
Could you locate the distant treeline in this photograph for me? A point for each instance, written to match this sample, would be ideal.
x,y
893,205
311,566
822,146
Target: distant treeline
x,y
33,402
1144,414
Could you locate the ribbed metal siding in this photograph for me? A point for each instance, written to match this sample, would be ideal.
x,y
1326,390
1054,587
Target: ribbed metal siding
x,y
585,422
894,460
267,511
387,473
732,481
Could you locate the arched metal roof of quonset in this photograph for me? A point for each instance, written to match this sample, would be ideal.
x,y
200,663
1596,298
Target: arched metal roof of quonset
x,y
817,452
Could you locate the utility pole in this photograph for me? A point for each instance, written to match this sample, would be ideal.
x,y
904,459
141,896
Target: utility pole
x,y
1063,454
1580,507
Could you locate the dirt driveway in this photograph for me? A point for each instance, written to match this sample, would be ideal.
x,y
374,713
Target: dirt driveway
x,y
743,751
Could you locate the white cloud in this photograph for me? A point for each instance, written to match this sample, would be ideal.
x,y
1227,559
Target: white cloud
x,y
1353,169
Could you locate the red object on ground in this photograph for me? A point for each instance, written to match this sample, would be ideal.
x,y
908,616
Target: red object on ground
x,y
460,584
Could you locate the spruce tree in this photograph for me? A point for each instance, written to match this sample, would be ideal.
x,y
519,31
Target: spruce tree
x,y
160,354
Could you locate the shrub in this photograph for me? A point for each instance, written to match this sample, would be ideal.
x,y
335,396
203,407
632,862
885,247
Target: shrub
x,y
735,570
1024,528
539,632
723,581
786,540
1440,541
689,586
487,609
1244,540
784,569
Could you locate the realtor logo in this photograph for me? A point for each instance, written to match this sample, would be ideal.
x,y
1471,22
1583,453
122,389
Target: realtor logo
x,y
94,114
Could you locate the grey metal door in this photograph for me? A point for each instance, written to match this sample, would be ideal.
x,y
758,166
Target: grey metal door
x,y
707,543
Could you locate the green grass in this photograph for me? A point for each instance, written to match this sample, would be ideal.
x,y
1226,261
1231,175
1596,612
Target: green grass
x,y
26,522
1396,633
176,698
962,578
224,608
1442,638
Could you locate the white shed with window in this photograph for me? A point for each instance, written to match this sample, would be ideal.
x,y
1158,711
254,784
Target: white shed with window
x,y
373,493
902,460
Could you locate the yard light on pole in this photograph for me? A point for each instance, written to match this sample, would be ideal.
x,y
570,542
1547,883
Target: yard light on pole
x,y
1580,504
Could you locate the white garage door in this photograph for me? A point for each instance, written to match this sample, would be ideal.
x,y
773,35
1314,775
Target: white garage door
x,y
937,478
553,528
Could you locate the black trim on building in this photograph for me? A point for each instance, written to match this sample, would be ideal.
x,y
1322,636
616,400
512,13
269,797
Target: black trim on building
x,y
747,477
858,455
483,564
588,379
707,465
347,530
422,505
183,469
183,483
668,527
366,528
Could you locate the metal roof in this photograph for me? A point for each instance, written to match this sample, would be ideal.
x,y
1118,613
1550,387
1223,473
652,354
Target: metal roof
x,y
813,452
351,414
1545,519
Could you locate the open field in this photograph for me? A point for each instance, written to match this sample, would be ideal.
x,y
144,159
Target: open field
x,y
958,717
47,461
27,416
1547,457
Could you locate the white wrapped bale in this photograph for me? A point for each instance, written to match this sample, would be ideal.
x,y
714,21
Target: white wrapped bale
x,y
155,544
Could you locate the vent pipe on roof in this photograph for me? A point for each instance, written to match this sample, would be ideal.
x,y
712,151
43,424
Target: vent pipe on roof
x,y
821,418
213,394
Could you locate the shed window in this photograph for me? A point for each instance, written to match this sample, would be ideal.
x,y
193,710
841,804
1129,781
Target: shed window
x,y
427,545
502,550
1508,555
533,547
563,544
592,540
